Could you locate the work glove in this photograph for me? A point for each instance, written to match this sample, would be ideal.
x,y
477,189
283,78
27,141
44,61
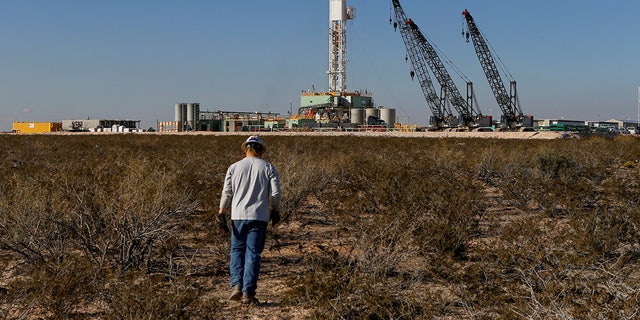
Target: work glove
x,y
222,223
274,216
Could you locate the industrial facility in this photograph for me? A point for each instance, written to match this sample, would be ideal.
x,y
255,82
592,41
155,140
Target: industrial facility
x,y
88,125
335,108
341,108
189,117
610,126
101,125
338,108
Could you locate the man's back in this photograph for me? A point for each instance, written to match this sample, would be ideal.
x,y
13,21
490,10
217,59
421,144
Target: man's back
x,y
251,184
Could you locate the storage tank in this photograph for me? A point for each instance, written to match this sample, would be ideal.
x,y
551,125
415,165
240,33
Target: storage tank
x,y
183,116
389,116
178,114
371,112
357,116
190,116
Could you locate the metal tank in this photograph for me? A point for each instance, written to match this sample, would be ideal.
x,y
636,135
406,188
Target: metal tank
x,y
193,114
183,112
357,116
178,115
389,116
190,116
371,112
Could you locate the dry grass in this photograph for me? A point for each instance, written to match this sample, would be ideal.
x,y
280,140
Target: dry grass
x,y
122,227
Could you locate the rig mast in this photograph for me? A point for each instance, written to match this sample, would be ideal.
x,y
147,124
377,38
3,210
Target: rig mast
x,y
512,116
333,107
339,13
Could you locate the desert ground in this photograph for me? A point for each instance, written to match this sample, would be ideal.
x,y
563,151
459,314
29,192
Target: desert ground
x,y
375,226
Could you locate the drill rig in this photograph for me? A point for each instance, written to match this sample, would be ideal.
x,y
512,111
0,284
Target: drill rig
x,y
512,116
332,107
422,53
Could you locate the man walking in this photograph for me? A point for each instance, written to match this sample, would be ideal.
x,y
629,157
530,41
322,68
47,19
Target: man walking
x,y
252,191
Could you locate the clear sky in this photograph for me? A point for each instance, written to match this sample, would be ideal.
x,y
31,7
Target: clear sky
x,y
117,59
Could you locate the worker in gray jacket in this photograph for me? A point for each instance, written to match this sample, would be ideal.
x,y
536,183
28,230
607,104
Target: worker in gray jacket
x,y
252,191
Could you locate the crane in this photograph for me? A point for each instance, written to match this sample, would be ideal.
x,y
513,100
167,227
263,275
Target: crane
x,y
442,116
418,45
512,116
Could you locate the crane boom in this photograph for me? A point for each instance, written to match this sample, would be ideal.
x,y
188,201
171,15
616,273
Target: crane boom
x,y
408,28
419,62
512,115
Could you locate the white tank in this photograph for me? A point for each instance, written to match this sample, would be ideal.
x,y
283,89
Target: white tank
x,y
357,115
190,115
183,112
178,116
196,115
389,116
372,112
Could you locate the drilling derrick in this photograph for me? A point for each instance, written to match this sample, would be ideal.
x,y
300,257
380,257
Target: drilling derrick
x,y
512,116
441,116
334,106
339,13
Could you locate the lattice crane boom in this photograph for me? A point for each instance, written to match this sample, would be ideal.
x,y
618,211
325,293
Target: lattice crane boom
x,y
420,63
512,115
409,29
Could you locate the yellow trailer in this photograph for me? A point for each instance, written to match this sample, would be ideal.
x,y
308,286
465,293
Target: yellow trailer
x,y
36,127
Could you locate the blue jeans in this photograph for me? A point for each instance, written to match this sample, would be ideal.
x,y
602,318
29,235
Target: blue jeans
x,y
247,243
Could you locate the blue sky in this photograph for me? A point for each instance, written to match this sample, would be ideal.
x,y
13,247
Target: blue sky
x,y
75,59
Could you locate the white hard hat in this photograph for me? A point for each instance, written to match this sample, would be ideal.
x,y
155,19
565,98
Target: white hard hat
x,y
254,139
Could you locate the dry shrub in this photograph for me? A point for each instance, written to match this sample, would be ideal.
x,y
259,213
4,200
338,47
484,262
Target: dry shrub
x,y
107,202
577,264
115,212
399,211
303,167
433,228
30,227
400,207
57,288
336,287
138,296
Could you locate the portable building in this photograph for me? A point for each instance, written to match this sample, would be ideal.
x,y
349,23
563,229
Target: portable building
x,y
36,127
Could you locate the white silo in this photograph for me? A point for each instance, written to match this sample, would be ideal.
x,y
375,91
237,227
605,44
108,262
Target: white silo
x,y
178,114
371,112
183,115
190,116
357,116
389,116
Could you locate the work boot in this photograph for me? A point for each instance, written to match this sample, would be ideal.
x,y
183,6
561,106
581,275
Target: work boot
x,y
236,293
249,298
